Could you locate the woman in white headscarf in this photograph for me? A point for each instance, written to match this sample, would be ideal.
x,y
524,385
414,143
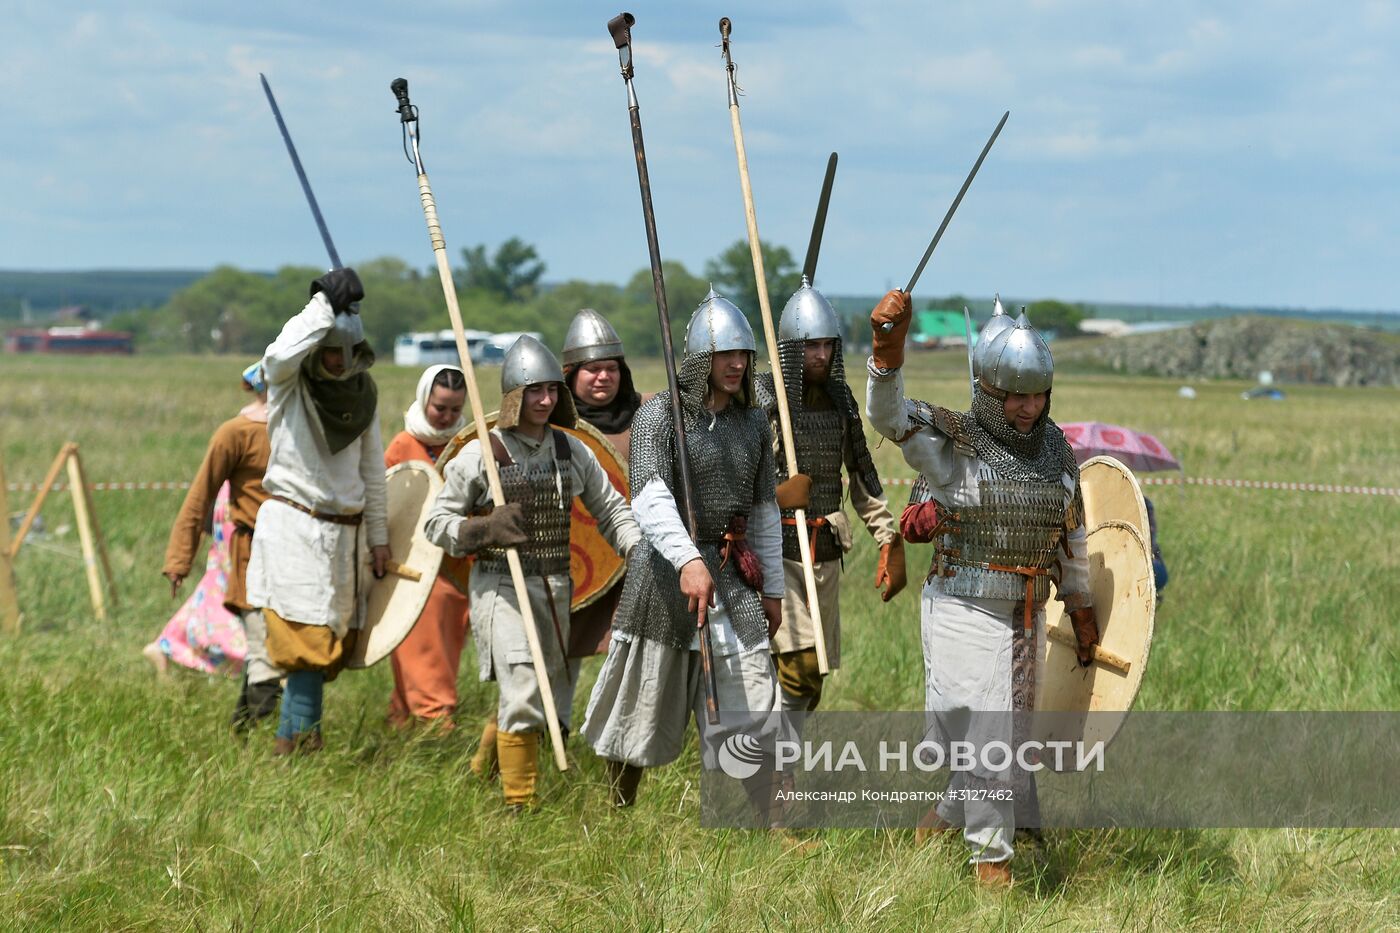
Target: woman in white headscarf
x,y
425,663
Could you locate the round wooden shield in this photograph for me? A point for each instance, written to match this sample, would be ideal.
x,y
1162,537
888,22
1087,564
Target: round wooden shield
x,y
1112,494
1125,602
396,600
593,564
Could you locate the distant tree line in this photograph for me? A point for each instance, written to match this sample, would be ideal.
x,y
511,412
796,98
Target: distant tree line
x,y
230,310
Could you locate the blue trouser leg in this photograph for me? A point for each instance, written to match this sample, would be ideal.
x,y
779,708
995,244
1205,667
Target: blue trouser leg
x,y
301,704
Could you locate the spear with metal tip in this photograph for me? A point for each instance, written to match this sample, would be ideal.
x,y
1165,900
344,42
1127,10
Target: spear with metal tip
x,y
620,28
408,117
770,336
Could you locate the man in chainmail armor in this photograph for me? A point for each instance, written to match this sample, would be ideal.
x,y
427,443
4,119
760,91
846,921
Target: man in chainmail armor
x,y
1009,518
728,577
542,469
829,437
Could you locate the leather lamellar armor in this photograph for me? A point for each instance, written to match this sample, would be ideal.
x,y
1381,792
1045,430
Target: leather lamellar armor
x,y
819,436
544,487
827,438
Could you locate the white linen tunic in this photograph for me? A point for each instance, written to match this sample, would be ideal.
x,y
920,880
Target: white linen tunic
x,y
503,650
303,568
968,641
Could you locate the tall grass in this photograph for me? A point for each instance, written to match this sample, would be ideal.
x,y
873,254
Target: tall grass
x,y
124,804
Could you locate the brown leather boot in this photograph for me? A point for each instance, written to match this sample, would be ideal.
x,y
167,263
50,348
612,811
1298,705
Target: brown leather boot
x,y
519,754
931,825
484,763
623,780
995,875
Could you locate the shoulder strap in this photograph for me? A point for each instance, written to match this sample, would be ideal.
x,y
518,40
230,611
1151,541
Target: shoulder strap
x,y
562,451
498,448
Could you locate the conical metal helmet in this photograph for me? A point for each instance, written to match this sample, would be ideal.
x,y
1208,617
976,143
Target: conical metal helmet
x,y
1000,321
528,362
716,326
1018,360
808,316
590,337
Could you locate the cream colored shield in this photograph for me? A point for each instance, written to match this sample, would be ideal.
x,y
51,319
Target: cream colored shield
x,y
1112,494
1125,601
593,564
396,601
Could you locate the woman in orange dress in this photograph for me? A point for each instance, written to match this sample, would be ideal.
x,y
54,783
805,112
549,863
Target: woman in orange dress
x,y
425,663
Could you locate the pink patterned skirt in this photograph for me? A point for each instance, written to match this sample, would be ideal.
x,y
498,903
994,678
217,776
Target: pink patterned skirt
x,y
203,635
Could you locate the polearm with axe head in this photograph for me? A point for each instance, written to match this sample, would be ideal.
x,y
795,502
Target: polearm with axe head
x,y
770,337
408,117
620,27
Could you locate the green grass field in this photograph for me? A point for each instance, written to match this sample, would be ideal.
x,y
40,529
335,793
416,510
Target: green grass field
x,y
124,804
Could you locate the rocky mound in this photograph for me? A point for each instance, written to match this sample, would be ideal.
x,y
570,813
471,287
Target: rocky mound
x,y
1241,347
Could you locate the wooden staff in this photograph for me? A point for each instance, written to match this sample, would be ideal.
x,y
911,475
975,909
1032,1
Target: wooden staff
x,y
408,117
804,546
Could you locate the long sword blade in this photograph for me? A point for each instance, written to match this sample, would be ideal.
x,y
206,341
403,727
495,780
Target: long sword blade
x,y
956,201
301,175
814,245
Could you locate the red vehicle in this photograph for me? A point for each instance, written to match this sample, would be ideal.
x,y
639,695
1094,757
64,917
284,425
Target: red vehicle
x,y
79,340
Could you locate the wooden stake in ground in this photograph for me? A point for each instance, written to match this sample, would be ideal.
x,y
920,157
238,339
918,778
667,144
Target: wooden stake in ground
x,y
85,536
804,546
9,599
94,546
408,115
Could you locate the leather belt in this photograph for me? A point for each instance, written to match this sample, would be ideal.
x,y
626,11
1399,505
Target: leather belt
x,y
816,524
334,518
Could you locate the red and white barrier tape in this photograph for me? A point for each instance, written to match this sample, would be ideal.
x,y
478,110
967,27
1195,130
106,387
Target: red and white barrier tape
x,y
1235,483
888,481
101,487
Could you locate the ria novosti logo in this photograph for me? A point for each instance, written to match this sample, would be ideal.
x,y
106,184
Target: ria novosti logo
x,y
740,756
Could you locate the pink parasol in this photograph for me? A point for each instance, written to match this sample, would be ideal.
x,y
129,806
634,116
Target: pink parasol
x,y
1141,453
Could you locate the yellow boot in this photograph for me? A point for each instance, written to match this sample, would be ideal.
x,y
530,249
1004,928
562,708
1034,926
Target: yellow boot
x,y
519,754
484,763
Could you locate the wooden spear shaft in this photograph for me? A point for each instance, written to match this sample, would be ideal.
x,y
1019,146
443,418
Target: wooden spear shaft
x,y
804,546
493,476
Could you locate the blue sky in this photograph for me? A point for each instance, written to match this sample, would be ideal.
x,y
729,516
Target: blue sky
x,y
1241,153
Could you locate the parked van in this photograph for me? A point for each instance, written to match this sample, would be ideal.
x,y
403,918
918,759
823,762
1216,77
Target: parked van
x,y
429,347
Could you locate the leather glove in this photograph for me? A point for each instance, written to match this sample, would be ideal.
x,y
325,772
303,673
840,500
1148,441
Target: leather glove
x,y
795,492
502,527
887,347
1086,632
773,612
890,571
343,290
918,521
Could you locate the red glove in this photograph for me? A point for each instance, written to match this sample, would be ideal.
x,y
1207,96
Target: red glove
x,y
918,521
